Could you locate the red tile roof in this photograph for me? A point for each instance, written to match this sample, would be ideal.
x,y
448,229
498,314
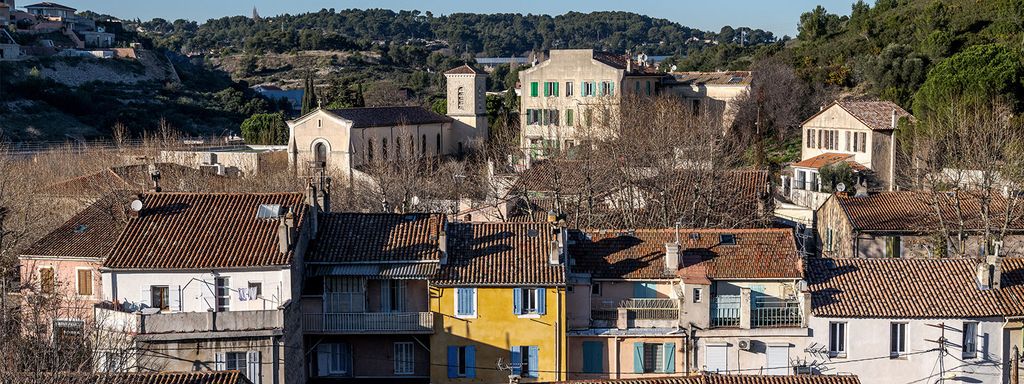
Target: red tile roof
x,y
826,159
915,211
195,377
875,114
204,230
389,116
465,69
499,254
382,237
728,379
640,254
901,288
89,234
173,177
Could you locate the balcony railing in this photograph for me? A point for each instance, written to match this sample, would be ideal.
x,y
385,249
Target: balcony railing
x,y
634,313
186,322
773,312
725,311
362,322
651,309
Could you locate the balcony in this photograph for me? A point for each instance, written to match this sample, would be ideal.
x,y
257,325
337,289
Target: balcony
x,y
773,312
368,322
725,311
634,313
189,322
738,311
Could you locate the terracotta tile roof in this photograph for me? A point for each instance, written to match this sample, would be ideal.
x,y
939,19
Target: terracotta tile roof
x,y
91,233
914,211
875,114
728,379
619,62
640,254
718,78
899,288
564,175
204,230
173,178
826,159
465,69
383,237
389,116
499,254
1011,289
194,377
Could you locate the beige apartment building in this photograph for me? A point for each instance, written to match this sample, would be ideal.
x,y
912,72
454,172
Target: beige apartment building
x,y
571,90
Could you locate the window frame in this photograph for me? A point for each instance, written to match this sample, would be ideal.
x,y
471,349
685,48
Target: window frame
x,y
698,295
224,306
474,311
568,88
258,286
165,298
657,364
970,338
78,282
243,369
837,346
898,340
408,364
529,296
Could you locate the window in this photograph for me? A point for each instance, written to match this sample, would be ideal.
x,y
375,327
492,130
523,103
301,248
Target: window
x,y
320,153
695,107
160,297
404,358
829,241
462,361
423,146
524,361
235,361
698,295
568,117
255,289
551,88
438,144
654,357
863,142
461,98
897,339
810,138
837,339
649,92
319,123
847,141
384,149
528,301
465,302
636,87
223,285
412,146
970,342
533,89
588,88
893,246
593,357
607,88
595,289
643,290
568,88
333,359
392,295
85,282
369,151
716,357
819,141
398,147
47,280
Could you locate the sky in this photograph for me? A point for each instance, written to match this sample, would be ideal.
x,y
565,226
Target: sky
x,y
777,16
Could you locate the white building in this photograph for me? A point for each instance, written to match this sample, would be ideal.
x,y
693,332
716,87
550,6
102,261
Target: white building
x,y
208,280
916,320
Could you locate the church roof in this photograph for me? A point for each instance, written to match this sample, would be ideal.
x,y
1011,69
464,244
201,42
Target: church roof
x,y
389,116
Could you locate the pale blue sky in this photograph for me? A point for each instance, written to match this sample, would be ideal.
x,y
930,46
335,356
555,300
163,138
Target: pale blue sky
x,y
778,16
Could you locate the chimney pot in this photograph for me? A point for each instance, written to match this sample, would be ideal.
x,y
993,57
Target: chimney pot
x,y
671,258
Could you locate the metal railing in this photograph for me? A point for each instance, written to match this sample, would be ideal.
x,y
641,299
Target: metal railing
x,y
412,322
773,312
725,311
651,309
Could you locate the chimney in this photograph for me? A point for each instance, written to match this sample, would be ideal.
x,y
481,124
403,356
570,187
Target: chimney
x,y
862,189
629,62
284,234
325,195
314,209
557,248
442,244
990,273
671,258
893,123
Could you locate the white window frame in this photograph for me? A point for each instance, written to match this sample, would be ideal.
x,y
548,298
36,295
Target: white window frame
x,y
970,338
475,300
405,365
244,369
898,351
152,291
842,341
217,294
529,294
78,282
698,295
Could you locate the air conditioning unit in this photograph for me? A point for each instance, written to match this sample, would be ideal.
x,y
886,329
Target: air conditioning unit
x,y
744,344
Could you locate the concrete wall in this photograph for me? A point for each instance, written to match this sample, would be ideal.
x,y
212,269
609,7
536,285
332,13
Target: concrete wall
x,y
129,286
495,330
836,118
868,350
578,305
212,321
74,306
755,360
200,354
565,65
241,163
617,356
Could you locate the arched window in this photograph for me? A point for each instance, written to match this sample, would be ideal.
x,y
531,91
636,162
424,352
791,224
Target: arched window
x,y
369,151
384,149
438,145
461,97
320,153
423,146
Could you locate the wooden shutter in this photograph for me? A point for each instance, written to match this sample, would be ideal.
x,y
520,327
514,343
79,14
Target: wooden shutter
x,y
717,358
638,357
470,362
669,358
541,300
534,360
593,357
533,89
517,360
453,361
253,366
778,360
323,359
85,282
517,301
385,295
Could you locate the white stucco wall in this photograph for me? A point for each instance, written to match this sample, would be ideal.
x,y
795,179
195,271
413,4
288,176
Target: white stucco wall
x,y
836,118
868,351
129,287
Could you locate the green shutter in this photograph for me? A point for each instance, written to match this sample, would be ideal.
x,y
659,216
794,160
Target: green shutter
x,y
568,117
547,89
611,89
593,357
638,357
556,89
670,358
533,89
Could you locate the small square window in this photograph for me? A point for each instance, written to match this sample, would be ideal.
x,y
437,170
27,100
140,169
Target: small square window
x,y
698,295
595,289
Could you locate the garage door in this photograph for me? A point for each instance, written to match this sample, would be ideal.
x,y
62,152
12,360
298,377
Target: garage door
x,y
778,360
716,357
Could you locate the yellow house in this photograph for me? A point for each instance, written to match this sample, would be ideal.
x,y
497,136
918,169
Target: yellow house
x,y
499,300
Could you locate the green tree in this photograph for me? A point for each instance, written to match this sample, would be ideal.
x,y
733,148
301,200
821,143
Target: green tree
x,y
309,99
977,74
265,129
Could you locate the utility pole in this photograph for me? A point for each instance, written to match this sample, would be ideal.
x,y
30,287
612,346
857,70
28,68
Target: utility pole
x,y
942,351
1015,367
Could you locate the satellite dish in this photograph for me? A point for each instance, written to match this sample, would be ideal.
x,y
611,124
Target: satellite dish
x,y
841,187
136,205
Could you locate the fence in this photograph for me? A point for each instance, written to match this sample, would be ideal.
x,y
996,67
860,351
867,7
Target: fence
x,y
773,312
725,311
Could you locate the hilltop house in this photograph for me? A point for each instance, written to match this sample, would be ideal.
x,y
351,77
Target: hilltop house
x,y
500,296
365,302
48,10
655,302
209,280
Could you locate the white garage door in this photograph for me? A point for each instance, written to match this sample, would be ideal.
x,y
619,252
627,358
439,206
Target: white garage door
x,y
778,360
716,358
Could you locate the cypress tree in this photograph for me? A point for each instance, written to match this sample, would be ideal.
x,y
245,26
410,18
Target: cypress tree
x,y
309,99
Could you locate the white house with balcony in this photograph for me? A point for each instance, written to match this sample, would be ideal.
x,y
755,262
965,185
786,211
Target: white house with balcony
x,y
366,296
654,302
209,281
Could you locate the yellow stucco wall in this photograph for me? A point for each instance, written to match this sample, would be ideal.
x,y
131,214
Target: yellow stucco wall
x,y
494,330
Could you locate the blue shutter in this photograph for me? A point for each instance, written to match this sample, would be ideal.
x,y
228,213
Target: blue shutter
x,y
534,361
638,357
470,361
453,361
611,89
593,357
670,358
517,359
461,302
517,301
541,300
583,88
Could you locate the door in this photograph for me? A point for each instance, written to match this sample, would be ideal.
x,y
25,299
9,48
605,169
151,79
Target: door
x,y
716,358
778,360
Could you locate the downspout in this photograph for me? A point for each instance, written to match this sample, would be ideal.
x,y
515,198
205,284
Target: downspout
x,y
618,359
558,338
